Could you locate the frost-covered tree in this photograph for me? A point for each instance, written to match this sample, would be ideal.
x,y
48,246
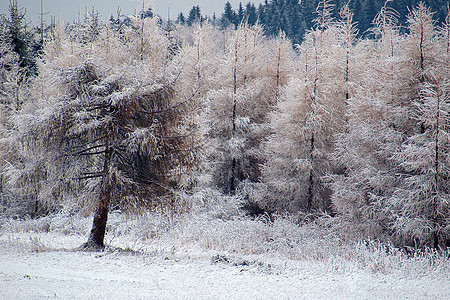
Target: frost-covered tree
x,y
422,198
238,107
86,28
348,35
280,66
198,59
146,41
11,74
306,118
13,92
422,201
394,168
104,133
376,118
108,141
279,69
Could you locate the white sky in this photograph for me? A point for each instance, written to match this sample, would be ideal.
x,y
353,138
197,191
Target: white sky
x,y
69,8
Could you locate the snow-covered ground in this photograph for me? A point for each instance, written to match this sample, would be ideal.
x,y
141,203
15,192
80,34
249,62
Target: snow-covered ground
x,y
75,275
36,262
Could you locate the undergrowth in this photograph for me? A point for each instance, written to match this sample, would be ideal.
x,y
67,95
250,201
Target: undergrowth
x,y
234,236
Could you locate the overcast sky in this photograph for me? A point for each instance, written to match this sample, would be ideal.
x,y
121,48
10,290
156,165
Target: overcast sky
x,y
69,8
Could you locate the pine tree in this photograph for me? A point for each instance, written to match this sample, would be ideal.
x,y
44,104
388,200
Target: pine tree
x,y
295,22
12,95
11,73
251,14
228,16
194,16
262,14
444,32
180,19
240,15
20,37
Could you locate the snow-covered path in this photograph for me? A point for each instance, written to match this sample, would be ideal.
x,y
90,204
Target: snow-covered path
x,y
77,275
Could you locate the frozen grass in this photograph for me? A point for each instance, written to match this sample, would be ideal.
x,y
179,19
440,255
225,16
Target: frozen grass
x,y
234,239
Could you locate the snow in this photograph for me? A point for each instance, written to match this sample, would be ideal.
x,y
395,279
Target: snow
x,y
78,275
37,261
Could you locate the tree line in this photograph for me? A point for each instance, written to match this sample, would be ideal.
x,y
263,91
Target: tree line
x,y
296,17
148,115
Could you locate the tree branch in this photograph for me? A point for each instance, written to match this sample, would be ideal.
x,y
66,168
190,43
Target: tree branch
x,y
87,149
94,153
172,107
91,176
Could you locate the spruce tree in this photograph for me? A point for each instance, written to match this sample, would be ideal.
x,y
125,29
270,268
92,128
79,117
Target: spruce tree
x,y
194,16
20,37
251,14
12,94
180,19
240,15
228,16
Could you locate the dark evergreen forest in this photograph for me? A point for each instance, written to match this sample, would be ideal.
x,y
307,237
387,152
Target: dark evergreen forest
x,y
295,17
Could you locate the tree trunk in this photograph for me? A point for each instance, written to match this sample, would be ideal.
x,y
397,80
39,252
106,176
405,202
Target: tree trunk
x,y
233,119
309,203
436,169
97,235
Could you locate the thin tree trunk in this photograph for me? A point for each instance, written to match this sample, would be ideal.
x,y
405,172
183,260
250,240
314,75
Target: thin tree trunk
x,y
347,71
278,69
311,177
436,171
422,67
310,196
142,31
233,130
447,22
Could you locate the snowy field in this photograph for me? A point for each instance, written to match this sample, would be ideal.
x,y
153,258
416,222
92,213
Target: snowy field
x,y
207,259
